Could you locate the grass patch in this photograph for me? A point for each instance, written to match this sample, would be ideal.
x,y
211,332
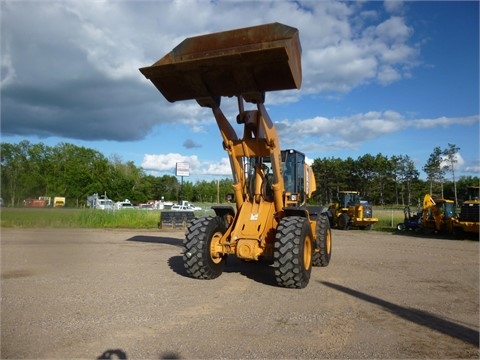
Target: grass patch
x,y
387,219
128,219
78,218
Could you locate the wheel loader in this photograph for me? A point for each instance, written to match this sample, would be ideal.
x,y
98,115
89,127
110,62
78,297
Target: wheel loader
x,y
349,211
270,219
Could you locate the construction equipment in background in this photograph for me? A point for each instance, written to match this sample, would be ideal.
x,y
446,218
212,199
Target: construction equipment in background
x,y
58,201
412,220
468,220
349,211
41,201
438,215
271,220
101,202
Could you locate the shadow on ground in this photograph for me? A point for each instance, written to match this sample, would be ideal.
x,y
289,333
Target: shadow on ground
x,y
258,271
119,354
419,317
156,240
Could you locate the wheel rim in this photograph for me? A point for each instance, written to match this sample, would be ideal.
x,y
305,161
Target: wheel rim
x,y
307,252
328,241
214,242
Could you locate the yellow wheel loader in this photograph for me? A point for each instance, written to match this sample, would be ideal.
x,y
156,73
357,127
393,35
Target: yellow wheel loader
x,y
270,220
349,211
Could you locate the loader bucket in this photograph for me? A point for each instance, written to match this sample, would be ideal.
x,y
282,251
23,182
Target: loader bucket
x,y
230,63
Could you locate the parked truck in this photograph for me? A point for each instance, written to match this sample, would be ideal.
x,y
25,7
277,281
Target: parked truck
x,y
41,201
58,201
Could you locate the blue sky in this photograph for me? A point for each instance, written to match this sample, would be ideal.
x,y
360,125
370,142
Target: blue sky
x,y
397,78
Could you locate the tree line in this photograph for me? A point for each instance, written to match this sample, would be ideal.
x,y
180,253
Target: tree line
x,y
32,170
392,180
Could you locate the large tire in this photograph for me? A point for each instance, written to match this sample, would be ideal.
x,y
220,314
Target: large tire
x,y
293,252
343,221
323,242
198,258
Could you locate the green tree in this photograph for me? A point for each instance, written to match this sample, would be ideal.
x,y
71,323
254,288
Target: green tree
x,y
433,169
331,175
451,158
405,174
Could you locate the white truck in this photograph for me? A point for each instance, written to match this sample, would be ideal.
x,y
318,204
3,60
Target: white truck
x,y
185,206
102,203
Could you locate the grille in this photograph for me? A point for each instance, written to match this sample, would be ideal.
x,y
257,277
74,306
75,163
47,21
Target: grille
x,y
470,212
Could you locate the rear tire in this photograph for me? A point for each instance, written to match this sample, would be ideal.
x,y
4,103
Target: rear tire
x,y
323,242
199,259
343,221
293,252
401,227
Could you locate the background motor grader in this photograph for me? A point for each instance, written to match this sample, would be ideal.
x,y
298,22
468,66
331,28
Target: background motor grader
x,y
349,211
270,220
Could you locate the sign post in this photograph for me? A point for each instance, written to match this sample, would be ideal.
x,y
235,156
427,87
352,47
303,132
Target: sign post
x,y
183,169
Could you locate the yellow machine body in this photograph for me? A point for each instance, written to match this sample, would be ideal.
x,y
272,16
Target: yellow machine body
x,y
348,211
438,215
268,184
468,221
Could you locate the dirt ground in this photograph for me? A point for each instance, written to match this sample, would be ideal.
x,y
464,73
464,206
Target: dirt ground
x,y
124,294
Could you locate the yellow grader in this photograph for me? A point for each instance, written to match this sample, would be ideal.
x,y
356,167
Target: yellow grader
x,y
271,220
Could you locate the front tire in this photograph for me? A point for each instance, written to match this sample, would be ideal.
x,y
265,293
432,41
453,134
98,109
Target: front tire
x,y
323,242
199,256
293,252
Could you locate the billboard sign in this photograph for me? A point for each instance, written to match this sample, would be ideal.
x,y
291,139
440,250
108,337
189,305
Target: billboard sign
x,y
183,169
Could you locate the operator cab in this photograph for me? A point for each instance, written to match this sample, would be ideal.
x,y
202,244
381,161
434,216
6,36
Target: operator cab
x,y
348,199
293,164
292,170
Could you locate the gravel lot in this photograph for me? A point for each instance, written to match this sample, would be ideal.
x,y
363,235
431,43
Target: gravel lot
x,y
124,294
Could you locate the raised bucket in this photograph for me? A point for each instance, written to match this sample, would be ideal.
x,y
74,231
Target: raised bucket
x,y
230,63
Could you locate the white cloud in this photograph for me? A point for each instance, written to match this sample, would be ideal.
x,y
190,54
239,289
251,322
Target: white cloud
x,y
350,131
221,168
393,6
7,70
168,163
393,30
444,121
95,48
459,162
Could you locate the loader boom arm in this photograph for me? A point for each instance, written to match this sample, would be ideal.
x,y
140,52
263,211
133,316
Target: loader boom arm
x,y
244,63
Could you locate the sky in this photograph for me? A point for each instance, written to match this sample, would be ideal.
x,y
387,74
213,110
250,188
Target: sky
x,y
396,78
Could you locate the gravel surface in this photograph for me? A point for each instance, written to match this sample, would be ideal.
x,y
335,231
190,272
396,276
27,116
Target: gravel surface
x,y
124,294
